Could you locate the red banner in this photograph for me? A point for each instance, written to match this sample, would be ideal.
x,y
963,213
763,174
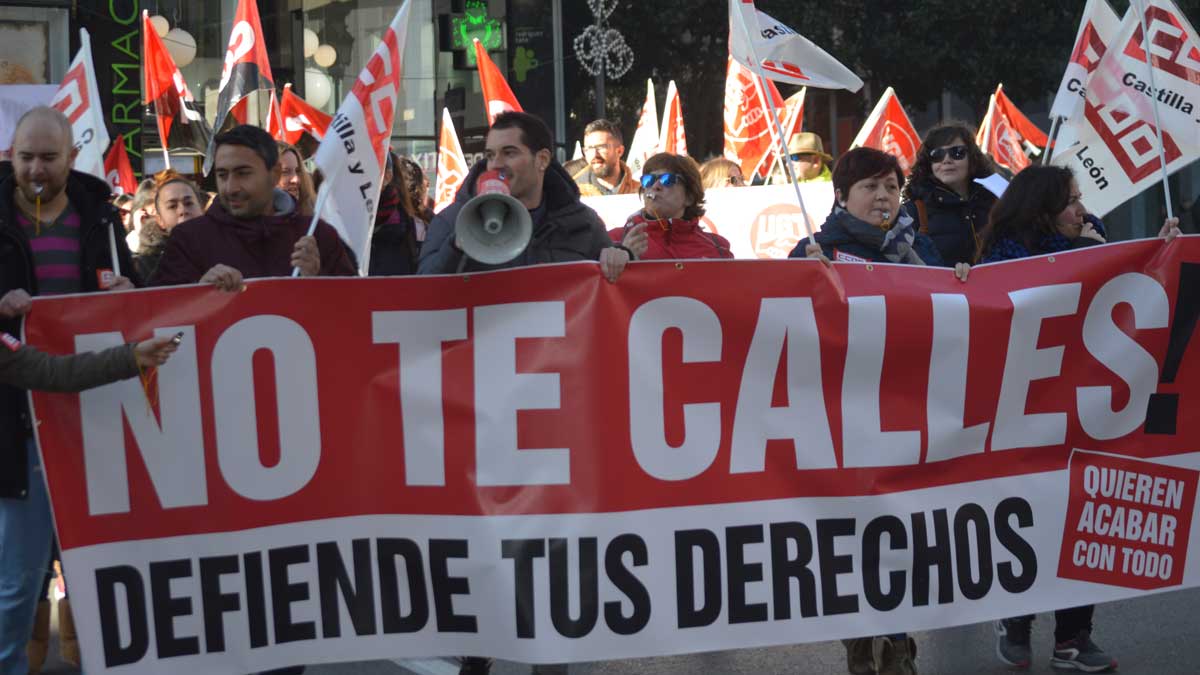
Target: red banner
x,y
540,442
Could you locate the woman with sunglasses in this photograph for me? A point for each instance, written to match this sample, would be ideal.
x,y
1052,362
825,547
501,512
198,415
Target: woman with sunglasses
x,y
719,172
942,196
668,225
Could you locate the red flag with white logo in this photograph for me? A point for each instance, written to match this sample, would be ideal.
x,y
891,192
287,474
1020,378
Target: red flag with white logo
x,y
79,99
889,129
793,123
117,169
247,70
672,139
1005,131
299,117
353,153
497,95
179,123
451,167
749,131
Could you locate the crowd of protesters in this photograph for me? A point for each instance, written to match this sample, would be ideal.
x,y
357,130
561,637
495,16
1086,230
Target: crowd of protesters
x,y
59,229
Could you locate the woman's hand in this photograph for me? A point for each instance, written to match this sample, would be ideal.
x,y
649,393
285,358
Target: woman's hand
x,y
961,270
15,303
637,240
1090,232
612,262
813,250
1170,230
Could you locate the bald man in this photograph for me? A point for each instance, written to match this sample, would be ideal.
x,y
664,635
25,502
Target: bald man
x,y
54,238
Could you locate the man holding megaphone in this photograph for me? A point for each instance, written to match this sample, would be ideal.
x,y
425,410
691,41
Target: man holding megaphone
x,y
518,208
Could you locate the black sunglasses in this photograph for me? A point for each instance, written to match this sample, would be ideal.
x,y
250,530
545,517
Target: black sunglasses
x,y
956,152
667,179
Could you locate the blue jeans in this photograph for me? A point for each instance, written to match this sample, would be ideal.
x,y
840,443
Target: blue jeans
x,y
25,534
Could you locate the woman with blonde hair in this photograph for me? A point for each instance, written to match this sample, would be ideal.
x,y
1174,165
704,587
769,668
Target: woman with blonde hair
x,y
294,178
719,172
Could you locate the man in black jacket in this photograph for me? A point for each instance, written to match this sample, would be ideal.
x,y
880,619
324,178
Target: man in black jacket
x,y
54,238
519,145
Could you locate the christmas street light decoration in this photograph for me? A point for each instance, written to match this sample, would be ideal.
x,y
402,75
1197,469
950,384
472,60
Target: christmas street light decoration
x,y
602,50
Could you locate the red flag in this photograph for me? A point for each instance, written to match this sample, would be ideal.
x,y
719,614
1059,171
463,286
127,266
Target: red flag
x,y
300,117
165,88
889,129
793,123
117,169
274,121
497,96
451,167
247,69
1004,132
673,139
749,132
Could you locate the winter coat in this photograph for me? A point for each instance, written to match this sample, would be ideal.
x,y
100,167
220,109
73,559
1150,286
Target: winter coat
x,y
261,247
675,239
1008,248
564,229
953,223
89,197
28,368
585,179
394,241
847,239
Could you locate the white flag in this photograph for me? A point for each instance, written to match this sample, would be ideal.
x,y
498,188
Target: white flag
x,y
1128,84
645,139
353,153
1116,157
783,54
78,98
1097,29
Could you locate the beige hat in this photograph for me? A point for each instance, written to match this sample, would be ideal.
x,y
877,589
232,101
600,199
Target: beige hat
x,y
808,143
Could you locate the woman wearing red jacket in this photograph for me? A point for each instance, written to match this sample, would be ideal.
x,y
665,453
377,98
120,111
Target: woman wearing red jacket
x,y
668,225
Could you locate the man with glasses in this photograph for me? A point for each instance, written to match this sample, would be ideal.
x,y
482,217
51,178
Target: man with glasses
x,y
810,162
604,173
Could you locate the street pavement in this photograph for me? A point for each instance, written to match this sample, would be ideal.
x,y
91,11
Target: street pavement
x,y
1154,635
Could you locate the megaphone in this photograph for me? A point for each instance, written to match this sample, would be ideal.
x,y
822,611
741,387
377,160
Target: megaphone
x,y
493,228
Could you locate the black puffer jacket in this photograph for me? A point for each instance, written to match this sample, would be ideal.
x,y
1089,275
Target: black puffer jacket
x,y
563,230
89,197
953,223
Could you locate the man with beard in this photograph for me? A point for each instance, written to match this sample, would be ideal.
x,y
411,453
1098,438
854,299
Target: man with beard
x,y
253,229
56,226
604,173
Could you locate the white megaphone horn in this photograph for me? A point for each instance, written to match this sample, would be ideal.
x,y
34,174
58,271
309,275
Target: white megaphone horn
x,y
493,228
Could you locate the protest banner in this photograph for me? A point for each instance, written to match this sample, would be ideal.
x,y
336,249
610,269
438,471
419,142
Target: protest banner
x,y
543,466
759,222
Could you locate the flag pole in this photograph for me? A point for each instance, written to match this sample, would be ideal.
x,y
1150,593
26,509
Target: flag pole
x,y
782,142
322,197
1053,137
166,155
1162,155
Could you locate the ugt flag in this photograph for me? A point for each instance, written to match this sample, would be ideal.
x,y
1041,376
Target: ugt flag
x,y
354,152
749,128
793,123
451,166
300,117
783,54
79,99
497,95
672,139
889,129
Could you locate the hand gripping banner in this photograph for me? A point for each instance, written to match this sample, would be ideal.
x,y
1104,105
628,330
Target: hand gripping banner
x,y
543,466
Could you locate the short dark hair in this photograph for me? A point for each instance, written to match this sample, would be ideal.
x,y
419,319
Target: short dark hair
x,y
1028,210
607,127
684,167
535,135
862,163
251,137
